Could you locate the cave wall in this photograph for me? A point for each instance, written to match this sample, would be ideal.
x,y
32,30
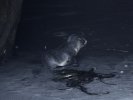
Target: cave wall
x,y
10,11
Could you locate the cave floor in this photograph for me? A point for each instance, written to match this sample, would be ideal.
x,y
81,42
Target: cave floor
x,y
17,81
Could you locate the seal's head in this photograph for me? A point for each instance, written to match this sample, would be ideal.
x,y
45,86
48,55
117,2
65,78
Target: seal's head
x,y
76,41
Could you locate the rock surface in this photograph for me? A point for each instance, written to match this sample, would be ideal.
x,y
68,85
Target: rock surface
x,y
10,11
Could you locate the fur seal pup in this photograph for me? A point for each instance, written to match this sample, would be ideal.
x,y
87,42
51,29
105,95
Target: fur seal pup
x,y
65,54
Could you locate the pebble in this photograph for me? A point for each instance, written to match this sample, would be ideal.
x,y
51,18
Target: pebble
x,y
122,72
125,66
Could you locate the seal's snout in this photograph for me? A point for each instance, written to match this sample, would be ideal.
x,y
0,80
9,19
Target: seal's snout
x,y
84,41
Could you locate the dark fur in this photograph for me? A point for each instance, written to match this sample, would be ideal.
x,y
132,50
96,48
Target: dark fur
x,y
65,53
